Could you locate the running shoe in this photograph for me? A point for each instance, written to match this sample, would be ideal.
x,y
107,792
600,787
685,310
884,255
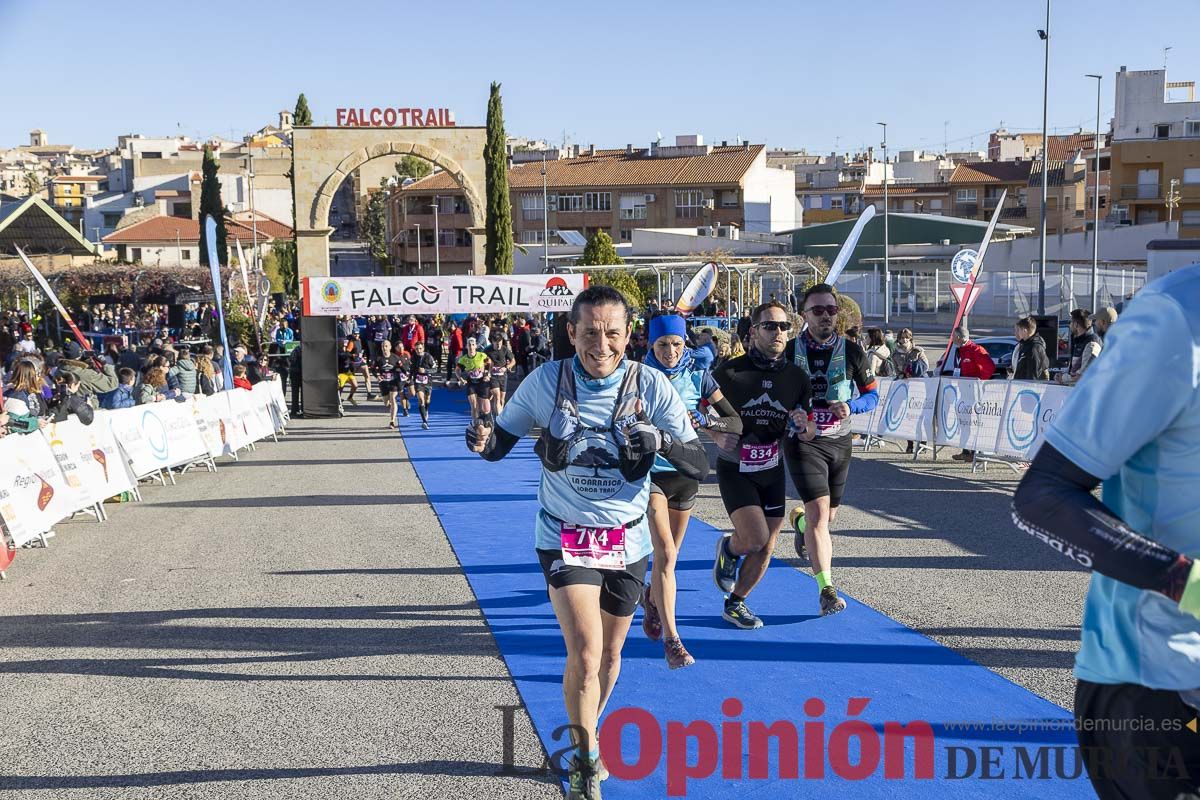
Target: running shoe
x,y
742,617
725,567
392,424
353,402
797,518
676,654
830,602
583,780
404,411
425,425
651,622
371,396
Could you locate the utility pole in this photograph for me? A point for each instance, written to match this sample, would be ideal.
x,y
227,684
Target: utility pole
x,y
887,275
437,245
418,247
545,219
1096,204
1045,34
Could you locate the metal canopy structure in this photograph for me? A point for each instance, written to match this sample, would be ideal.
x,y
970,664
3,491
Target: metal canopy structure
x,y
745,274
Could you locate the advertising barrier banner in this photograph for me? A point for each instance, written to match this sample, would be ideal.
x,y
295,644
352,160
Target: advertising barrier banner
x,y
447,294
969,412
89,458
34,494
1028,410
906,410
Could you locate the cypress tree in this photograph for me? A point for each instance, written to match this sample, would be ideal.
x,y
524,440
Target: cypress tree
x,y
498,248
210,205
301,115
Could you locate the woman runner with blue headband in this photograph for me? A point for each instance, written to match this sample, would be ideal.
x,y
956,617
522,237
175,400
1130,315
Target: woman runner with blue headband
x,y
673,495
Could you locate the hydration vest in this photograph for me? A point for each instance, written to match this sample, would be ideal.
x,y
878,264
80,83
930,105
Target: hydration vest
x,y
553,446
838,389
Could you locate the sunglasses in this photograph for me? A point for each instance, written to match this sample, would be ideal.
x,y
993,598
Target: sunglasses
x,y
773,326
823,311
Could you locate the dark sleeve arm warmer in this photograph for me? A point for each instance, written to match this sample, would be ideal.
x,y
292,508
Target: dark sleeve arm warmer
x,y
729,420
688,458
1054,503
499,444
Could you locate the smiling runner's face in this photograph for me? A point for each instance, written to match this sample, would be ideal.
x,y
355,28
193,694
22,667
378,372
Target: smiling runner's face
x,y
600,338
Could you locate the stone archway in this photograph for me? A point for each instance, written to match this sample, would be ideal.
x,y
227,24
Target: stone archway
x,y
325,157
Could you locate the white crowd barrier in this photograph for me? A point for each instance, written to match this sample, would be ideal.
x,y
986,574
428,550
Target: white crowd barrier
x,y
1001,418
68,467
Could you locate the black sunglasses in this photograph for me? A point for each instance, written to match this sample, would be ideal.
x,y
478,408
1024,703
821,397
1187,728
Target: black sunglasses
x,y
772,325
823,311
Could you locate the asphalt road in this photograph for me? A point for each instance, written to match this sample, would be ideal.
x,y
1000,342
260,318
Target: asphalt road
x,y
297,625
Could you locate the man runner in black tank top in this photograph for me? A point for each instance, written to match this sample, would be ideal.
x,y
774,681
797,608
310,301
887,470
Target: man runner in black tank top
x,y
820,467
773,397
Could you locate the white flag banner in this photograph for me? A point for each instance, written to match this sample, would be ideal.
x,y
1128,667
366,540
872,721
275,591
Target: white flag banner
x,y
1028,410
905,413
34,494
447,294
89,458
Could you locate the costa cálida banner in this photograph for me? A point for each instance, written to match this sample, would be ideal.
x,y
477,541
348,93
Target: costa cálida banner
x,y
447,294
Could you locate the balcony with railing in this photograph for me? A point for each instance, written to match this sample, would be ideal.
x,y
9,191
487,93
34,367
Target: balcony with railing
x,y
966,209
1141,191
1014,212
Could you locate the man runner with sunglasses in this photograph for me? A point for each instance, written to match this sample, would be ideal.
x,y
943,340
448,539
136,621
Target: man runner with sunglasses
x,y
821,466
773,397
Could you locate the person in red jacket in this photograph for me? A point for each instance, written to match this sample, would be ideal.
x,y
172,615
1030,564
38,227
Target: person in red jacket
x,y
411,333
454,341
969,360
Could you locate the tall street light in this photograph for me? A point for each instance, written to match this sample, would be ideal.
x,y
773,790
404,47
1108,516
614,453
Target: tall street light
x,y
1045,35
887,275
545,219
1096,203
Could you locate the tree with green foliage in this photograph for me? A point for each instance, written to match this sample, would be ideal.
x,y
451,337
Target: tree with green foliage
x,y
301,115
413,167
600,251
498,247
280,266
210,205
375,223
620,280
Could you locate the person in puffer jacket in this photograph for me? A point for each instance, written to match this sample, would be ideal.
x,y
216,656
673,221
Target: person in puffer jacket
x,y
185,372
23,401
123,396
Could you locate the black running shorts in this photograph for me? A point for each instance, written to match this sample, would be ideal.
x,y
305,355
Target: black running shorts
x,y
819,468
620,589
764,489
387,387
500,382
680,490
481,388
1134,742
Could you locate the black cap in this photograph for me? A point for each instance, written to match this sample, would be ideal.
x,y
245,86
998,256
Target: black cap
x,y
73,351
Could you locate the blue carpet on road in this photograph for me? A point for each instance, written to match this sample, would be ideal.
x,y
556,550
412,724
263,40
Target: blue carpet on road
x,y
487,511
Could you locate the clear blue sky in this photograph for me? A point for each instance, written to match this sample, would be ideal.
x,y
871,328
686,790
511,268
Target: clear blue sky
x,y
791,73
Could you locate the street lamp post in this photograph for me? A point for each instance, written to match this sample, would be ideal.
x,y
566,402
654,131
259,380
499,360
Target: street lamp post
x,y
545,219
1045,35
887,275
1096,204
418,227
178,249
437,245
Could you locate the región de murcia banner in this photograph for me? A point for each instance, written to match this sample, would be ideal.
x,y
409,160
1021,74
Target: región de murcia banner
x,y
448,294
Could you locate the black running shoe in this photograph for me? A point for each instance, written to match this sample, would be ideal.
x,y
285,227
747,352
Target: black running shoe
x,y
725,568
741,616
830,602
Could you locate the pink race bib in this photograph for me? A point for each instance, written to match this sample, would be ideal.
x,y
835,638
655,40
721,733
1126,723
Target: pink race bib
x,y
595,548
758,457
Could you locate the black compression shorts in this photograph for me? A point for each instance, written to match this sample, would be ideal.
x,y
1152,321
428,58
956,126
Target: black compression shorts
x,y
500,382
680,490
620,589
1134,742
764,489
481,388
820,468
387,387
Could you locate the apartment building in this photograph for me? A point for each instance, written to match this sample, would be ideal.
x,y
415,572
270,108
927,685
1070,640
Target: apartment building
x,y
68,194
1156,151
688,185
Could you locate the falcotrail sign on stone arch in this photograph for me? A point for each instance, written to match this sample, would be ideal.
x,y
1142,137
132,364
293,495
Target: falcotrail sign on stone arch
x,y
324,158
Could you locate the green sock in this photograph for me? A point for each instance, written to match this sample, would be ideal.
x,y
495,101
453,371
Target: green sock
x,y
823,579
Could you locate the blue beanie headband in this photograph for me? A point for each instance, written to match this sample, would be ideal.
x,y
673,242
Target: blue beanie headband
x,y
667,325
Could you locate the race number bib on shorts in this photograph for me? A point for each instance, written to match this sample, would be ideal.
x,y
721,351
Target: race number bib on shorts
x,y
759,457
402,377
475,374
499,370
422,379
595,548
